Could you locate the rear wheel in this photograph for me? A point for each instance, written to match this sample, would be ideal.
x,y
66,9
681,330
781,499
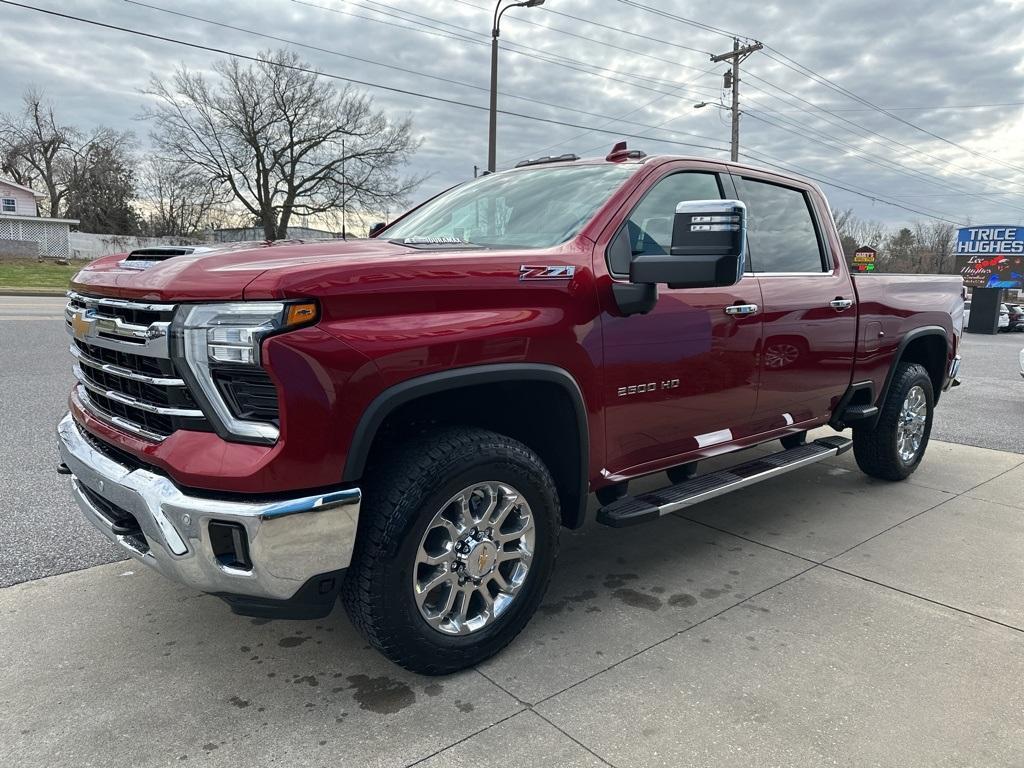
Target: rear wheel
x,y
895,446
457,541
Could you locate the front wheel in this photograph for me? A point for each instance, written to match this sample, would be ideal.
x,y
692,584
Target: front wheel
x,y
895,446
458,535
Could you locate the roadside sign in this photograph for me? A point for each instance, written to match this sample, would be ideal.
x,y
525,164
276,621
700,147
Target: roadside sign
x,y
991,256
863,258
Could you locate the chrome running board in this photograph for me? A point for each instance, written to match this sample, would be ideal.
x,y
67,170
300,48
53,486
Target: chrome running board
x,y
633,510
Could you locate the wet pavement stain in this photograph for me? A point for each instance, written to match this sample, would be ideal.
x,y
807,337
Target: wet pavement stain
x,y
463,706
682,600
433,689
209,746
309,679
382,695
291,642
259,622
567,602
711,594
238,702
616,580
637,599
658,590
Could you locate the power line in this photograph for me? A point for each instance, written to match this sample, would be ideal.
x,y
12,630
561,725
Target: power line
x,y
941,161
631,51
475,37
616,30
387,66
926,108
809,73
332,76
812,75
620,118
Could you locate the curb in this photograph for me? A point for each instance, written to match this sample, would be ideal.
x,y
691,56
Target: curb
x,y
33,292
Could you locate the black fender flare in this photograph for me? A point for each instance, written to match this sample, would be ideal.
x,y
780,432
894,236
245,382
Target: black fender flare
x,y
428,384
913,335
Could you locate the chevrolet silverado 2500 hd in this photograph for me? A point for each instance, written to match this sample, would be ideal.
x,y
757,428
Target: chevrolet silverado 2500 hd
x,y
407,421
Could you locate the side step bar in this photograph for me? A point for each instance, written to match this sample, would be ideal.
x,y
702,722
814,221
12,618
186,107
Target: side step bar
x,y
633,510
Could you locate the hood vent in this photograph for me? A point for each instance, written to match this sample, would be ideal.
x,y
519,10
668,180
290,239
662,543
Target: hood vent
x,y
141,258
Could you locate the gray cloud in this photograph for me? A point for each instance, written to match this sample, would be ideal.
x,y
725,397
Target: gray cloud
x,y
909,54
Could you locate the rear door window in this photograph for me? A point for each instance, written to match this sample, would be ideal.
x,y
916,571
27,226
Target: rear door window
x,y
781,230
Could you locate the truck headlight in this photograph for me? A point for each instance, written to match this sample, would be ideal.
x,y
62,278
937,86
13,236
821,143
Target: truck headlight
x,y
221,342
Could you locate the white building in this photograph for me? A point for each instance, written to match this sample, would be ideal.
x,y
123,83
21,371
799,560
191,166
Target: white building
x,y
23,232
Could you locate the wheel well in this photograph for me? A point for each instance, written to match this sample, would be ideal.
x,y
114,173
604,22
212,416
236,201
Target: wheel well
x,y
540,414
928,351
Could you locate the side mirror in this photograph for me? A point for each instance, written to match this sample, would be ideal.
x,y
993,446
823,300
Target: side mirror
x,y
709,244
376,228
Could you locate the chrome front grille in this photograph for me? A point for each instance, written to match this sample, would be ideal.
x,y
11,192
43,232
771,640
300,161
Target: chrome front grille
x,y
124,368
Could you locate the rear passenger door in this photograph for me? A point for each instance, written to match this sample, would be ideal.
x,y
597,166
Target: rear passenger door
x,y
810,321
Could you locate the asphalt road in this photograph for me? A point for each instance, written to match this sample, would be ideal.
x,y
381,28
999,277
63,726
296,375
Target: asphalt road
x,y
43,533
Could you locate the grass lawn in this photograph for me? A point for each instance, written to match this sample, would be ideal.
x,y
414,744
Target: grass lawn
x,y
29,273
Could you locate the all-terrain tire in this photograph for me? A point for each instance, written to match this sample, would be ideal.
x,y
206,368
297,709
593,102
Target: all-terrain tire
x,y
876,449
401,497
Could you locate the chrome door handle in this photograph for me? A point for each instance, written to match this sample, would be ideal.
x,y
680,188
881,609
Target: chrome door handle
x,y
741,309
840,304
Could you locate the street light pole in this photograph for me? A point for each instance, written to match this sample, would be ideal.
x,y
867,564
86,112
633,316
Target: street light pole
x,y
492,134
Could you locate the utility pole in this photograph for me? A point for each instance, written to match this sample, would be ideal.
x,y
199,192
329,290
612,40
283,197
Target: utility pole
x,y
732,78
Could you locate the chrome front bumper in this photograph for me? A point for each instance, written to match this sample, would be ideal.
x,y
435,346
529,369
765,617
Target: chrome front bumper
x,y
289,541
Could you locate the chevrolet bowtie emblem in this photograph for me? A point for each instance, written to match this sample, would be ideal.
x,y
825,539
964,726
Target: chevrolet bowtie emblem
x,y
481,563
81,324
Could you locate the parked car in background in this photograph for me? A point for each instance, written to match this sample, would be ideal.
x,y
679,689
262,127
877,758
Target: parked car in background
x,y
1004,318
1016,317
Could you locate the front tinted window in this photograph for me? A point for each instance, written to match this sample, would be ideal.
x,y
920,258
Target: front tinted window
x,y
650,224
780,228
531,208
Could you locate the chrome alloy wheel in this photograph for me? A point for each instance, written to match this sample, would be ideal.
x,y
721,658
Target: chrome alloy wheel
x,y
473,558
911,424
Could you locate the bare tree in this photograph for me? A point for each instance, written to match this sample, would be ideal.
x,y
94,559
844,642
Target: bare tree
x,y
179,199
855,232
87,176
36,147
282,140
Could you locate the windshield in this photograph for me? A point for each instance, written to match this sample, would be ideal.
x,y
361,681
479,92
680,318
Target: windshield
x,y
533,208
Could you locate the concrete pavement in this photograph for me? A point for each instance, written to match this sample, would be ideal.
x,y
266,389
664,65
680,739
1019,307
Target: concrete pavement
x,y
820,618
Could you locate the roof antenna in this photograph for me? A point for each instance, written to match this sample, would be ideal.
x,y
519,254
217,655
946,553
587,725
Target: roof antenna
x,y
620,152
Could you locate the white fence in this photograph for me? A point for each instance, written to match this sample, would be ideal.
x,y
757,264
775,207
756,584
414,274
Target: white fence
x,y
51,235
85,245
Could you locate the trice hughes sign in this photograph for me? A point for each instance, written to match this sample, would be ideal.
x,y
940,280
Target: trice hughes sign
x,y
991,256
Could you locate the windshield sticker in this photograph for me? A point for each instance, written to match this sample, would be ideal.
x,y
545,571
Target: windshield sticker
x,y
434,241
530,272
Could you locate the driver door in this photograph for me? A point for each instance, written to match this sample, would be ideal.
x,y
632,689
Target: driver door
x,y
681,380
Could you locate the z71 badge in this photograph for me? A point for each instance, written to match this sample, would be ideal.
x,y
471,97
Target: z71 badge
x,y
530,272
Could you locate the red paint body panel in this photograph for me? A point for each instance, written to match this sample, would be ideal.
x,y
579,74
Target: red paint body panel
x,y
390,313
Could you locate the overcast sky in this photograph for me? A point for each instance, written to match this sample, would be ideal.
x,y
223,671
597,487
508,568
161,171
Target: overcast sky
x,y
952,68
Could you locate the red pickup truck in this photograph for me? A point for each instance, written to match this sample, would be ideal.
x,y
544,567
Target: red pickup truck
x,y
407,421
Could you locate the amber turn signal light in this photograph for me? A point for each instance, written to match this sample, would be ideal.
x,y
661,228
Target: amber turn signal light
x,y
300,314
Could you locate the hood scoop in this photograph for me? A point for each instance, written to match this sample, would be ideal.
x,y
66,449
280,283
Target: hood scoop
x,y
143,258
